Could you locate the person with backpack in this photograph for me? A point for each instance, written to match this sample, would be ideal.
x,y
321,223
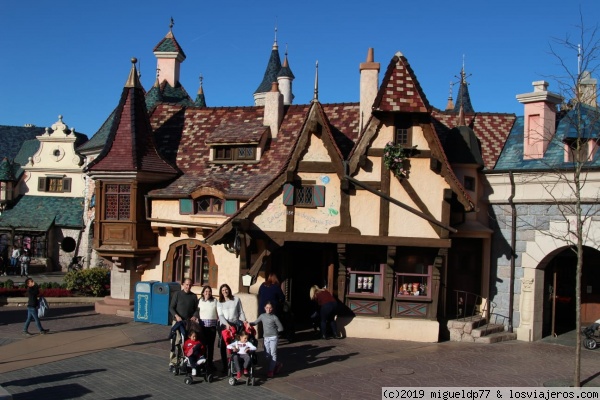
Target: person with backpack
x,y
33,293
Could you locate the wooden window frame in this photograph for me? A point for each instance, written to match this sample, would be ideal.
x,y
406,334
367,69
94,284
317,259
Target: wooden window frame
x,y
54,184
403,131
232,153
122,207
201,267
212,203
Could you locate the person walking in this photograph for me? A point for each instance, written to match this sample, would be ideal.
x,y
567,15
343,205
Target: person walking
x,y
33,294
271,328
207,314
183,306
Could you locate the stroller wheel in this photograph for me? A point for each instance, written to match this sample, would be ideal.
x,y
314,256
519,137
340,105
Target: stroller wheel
x,y
252,381
208,378
176,371
188,380
590,343
231,381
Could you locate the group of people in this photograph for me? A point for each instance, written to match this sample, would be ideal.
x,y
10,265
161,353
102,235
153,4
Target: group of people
x,y
19,257
209,317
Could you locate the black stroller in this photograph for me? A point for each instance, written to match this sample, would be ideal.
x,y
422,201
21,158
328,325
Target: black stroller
x,y
183,365
592,336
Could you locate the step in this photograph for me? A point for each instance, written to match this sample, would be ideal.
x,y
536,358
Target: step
x,y
466,324
497,337
487,330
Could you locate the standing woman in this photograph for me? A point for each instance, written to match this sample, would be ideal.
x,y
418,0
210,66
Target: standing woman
x,y
270,292
327,308
207,314
230,313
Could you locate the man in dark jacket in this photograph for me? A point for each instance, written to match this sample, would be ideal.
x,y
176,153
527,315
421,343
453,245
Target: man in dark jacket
x,y
33,292
183,306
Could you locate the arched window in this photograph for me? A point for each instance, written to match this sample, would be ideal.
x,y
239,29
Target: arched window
x,y
190,259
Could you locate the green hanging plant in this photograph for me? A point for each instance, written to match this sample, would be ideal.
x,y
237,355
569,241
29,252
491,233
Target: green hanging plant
x,y
394,157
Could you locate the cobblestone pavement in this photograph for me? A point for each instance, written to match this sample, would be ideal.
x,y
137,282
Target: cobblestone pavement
x,y
334,369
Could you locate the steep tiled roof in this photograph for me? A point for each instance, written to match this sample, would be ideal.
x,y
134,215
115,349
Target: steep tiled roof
x,y
28,149
400,90
7,170
182,133
491,129
177,94
273,68
344,124
512,154
169,45
130,145
463,98
38,213
12,137
99,139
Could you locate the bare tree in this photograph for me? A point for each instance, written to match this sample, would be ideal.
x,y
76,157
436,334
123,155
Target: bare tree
x,y
566,182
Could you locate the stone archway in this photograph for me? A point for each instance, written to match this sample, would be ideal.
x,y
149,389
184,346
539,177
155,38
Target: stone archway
x,y
537,257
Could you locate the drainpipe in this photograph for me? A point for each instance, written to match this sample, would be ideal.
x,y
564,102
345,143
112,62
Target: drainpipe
x,y
513,240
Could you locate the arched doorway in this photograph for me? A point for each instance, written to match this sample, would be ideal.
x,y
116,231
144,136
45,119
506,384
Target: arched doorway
x,y
559,291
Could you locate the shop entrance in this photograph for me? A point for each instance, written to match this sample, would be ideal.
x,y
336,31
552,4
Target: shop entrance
x,y
463,278
559,291
301,265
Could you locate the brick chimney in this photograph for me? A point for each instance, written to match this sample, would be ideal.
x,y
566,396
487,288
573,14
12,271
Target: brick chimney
x,y
273,109
540,119
369,82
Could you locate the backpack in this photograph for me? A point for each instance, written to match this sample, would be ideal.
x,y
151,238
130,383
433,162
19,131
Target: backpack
x,y
42,307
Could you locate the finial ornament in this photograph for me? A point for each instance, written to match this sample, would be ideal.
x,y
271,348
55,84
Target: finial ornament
x,y
171,24
316,95
201,79
133,60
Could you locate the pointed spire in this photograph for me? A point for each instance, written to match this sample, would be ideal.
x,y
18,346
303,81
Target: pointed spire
x,y
200,99
275,47
130,144
450,103
171,25
133,80
316,94
285,68
463,98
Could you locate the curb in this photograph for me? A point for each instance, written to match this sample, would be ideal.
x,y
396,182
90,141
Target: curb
x,y
22,301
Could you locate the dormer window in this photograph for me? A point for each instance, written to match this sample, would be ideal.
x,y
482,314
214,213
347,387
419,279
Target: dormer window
x,y
578,150
234,153
209,205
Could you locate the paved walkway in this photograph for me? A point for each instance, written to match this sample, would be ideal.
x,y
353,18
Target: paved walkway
x,y
92,356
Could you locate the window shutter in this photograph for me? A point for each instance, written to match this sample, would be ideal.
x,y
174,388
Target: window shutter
x,y
319,196
230,206
41,184
288,194
67,185
186,206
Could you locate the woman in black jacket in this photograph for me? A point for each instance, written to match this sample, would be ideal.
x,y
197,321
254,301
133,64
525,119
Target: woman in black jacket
x,y
33,292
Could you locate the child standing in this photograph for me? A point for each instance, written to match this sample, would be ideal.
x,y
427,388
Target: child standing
x,y
271,328
242,347
193,349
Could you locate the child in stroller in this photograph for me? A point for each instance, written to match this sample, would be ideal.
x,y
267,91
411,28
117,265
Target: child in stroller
x,y
240,350
191,359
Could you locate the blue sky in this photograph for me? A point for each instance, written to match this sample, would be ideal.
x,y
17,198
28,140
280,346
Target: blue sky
x,y
73,57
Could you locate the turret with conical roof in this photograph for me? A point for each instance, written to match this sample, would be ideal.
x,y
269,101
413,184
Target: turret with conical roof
x,y
285,78
169,56
200,100
273,68
130,145
463,98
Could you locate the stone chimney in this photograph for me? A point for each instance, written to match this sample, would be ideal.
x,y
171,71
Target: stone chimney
x,y
369,84
540,119
273,109
588,89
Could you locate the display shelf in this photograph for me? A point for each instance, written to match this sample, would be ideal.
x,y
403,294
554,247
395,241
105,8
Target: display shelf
x,y
413,286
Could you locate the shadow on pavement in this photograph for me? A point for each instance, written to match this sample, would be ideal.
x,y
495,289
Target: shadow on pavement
x,y
38,380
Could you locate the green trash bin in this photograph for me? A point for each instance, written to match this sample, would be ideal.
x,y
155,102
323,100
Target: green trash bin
x,y
162,293
142,304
